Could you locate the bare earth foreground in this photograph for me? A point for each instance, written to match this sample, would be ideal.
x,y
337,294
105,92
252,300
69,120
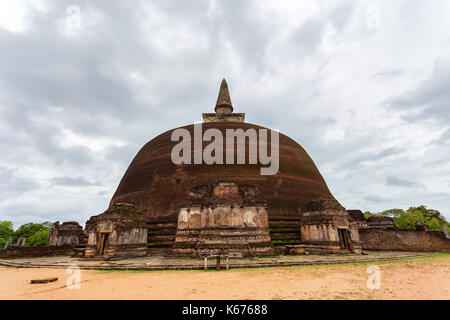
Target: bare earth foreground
x,y
420,278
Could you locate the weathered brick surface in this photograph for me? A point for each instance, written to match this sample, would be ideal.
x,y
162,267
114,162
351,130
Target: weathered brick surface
x,y
158,187
67,233
36,251
403,240
120,231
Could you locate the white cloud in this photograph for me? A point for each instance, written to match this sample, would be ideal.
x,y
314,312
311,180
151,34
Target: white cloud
x,y
15,15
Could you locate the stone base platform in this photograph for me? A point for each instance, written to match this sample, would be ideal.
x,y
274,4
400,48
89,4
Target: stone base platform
x,y
164,263
215,241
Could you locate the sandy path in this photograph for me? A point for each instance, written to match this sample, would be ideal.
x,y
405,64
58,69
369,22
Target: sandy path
x,y
426,278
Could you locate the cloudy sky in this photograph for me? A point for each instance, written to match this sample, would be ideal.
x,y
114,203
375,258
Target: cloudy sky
x,y
364,86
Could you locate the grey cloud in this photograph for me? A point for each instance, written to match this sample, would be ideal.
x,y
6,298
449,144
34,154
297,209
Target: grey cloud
x,y
386,153
45,137
123,155
395,181
389,73
11,183
445,137
356,160
73,182
232,18
39,211
341,15
308,36
430,99
376,199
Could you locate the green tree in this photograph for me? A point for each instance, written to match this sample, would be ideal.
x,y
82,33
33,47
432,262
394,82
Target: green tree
x,y
408,220
428,214
39,238
29,229
434,224
368,214
6,231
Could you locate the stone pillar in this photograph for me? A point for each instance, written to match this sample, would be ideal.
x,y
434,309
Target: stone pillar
x,y
8,243
21,242
444,229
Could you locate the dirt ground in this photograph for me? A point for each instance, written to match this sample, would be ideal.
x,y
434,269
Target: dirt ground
x,y
424,278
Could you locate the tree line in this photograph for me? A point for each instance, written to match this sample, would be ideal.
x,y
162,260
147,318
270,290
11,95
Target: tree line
x,y
36,233
407,219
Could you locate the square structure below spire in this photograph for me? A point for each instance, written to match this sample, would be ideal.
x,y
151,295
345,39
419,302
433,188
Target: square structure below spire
x,y
223,117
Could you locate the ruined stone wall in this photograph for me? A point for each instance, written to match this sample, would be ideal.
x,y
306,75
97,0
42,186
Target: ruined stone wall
x,y
68,233
35,251
122,229
386,223
223,229
403,240
326,227
223,218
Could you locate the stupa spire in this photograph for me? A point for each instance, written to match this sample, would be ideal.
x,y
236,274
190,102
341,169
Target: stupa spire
x,y
224,108
223,104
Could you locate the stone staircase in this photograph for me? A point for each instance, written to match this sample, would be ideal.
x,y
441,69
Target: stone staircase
x,y
80,248
285,231
161,234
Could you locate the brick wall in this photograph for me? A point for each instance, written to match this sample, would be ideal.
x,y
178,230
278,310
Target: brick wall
x,y
38,251
403,240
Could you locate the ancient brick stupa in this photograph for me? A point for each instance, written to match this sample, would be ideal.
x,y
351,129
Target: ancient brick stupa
x,y
197,209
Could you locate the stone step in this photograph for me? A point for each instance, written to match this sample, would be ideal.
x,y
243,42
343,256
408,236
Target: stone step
x,y
285,234
278,243
286,238
160,244
283,218
291,222
162,225
154,238
284,226
163,232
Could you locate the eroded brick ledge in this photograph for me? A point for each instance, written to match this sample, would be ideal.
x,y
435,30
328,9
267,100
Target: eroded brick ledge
x,y
165,263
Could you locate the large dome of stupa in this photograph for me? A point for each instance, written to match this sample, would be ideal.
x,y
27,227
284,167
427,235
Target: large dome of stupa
x,y
158,187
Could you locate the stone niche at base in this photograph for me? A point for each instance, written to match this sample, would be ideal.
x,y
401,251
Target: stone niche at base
x,y
65,234
326,228
120,231
223,218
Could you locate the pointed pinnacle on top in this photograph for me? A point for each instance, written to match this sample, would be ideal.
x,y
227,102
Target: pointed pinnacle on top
x,y
223,104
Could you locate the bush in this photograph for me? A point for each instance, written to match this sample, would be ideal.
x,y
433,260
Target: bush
x,y
6,231
368,214
406,220
39,238
29,229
